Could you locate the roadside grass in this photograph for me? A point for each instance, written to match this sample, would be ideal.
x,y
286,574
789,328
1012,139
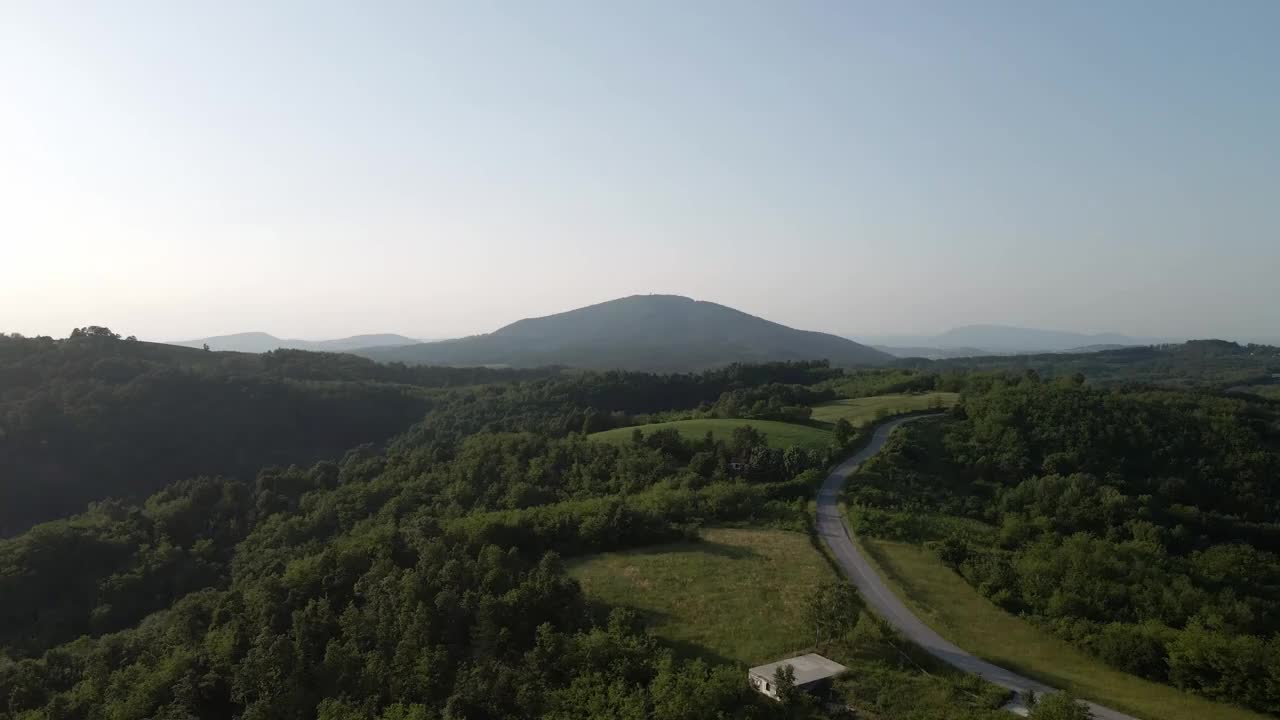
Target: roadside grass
x,y
778,434
864,409
953,608
738,596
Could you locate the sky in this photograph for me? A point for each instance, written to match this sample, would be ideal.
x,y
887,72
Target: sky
x,y
321,169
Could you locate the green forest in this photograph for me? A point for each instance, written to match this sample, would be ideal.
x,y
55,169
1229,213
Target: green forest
x,y
1139,524
308,535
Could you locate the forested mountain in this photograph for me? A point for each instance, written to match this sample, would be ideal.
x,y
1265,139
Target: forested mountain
x,y
664,333
259,342
94,416
1004,338
930,353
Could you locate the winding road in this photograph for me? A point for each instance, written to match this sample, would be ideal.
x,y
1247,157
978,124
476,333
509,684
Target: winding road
x,y
835,533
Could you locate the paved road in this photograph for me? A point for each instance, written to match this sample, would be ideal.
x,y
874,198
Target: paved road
x,y
835,533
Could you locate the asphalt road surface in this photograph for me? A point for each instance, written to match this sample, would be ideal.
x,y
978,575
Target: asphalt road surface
x,y
835,533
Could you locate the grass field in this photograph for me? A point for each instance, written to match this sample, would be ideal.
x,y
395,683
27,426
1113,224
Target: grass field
x,y
779,434
736,596
860,410
959,613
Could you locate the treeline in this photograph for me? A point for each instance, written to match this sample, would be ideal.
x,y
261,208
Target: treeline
x,y
1208,364
420,582
1140,525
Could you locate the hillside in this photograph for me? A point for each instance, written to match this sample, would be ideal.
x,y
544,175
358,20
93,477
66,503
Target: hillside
x,y
643,332
87,418
976,340
1207,363
930,353
1002,338
260,342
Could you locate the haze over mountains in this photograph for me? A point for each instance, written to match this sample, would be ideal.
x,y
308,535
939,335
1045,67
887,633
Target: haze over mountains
x,y
643,332
259,342
677,334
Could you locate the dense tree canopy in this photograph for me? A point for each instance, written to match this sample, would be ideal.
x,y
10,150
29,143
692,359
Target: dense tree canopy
x,y
1140,524
309,535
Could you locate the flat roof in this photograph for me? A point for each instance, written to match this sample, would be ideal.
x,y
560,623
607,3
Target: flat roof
x,y
808,668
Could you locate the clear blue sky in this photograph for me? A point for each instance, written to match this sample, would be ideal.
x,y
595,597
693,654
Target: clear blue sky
x,y
318,169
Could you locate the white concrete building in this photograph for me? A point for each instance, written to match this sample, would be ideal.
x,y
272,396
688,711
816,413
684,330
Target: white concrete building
x,y
812,672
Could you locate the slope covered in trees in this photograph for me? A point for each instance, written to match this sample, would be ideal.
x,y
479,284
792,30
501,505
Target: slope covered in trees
x,y
659,333
423,578
423,581
1139,524
95,416
1214,364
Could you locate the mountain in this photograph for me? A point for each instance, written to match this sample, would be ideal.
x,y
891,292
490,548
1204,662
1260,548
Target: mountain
x,y
1096,348
356,342
664,333
931,353
259,342
1001,339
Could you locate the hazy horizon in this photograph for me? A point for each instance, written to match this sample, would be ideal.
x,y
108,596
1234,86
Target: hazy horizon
x,y
865,170
891,339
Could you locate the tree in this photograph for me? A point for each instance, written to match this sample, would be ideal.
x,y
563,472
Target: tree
x,y
953,551
97,331
784,682
796,703
1059,706
832,610
843,432
746,438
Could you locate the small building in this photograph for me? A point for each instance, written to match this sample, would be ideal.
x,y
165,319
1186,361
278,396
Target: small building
x,y
813,674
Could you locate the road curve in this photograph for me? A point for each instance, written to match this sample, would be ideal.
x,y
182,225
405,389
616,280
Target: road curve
x,y
835,533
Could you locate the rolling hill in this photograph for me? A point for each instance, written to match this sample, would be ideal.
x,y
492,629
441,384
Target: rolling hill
x,y
259,342
663,333
978,340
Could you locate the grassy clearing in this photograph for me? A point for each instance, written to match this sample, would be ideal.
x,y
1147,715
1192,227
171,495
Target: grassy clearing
x,y
779,434
861,410
737,596
959,613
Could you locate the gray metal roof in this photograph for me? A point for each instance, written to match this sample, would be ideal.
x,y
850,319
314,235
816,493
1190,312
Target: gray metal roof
x,y
808,668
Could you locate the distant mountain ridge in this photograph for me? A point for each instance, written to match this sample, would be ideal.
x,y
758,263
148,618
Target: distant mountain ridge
x,y
260,342
662,333
977,340
931,353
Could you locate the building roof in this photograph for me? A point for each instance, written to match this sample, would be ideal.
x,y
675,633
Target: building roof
x,y
808,668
